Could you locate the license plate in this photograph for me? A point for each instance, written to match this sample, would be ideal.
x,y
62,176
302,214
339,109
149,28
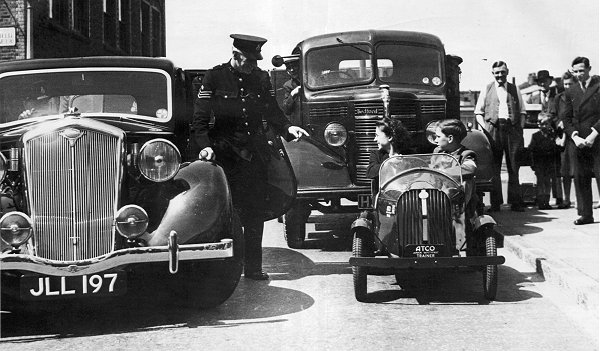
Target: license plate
x,y
424,250
365,202
49,287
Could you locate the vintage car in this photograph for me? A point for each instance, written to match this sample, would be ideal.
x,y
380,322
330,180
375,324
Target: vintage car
x,y
417,223
350,80
97,197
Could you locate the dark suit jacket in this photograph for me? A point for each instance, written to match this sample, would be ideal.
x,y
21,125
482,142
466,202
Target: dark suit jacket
x,y
582,110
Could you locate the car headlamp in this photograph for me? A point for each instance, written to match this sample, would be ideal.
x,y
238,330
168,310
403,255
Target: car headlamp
x,y
15,228
159,160
131,221
3,166
335,134
430,131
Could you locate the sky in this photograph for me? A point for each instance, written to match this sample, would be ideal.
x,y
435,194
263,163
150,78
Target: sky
x,y
529,35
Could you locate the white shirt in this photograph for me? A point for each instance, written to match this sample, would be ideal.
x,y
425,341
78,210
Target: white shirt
x,y
503,98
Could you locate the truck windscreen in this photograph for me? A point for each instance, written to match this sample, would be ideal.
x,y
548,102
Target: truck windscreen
x,y
341,65
407,64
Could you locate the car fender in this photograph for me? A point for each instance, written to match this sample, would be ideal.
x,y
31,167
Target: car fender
x,y
483,220
362,223
201,212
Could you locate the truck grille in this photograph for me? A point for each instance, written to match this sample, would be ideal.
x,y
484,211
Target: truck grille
x,y
364,126
73,189
332,113
410,223
433,107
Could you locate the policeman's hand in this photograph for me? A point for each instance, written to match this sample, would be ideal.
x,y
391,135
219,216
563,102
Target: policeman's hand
x,y
295,91
26,114
207,154
297,132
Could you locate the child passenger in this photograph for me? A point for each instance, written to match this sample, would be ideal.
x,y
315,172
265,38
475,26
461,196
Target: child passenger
x,y
448,137
392,138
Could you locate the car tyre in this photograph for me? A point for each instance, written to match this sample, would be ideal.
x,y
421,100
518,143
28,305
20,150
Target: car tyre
x,y
490,272
294,225
359,274
208,284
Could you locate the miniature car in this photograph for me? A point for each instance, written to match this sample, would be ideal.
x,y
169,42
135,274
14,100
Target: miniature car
x,y
414,224
96,198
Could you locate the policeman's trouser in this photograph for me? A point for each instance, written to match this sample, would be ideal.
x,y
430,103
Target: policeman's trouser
x,y
253,233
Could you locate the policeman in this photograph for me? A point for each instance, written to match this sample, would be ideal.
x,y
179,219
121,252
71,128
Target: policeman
x,y
240,97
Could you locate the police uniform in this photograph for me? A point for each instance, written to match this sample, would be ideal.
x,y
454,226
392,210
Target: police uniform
x,y
242,105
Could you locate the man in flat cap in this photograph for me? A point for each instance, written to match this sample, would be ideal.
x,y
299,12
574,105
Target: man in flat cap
x,y
240,97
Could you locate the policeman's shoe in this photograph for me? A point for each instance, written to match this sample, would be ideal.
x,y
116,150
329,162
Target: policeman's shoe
x,y
256,275
565,204
583,220
494,208
544,206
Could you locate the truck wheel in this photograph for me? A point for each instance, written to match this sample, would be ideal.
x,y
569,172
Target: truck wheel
x,y
294,225
359,274
490,272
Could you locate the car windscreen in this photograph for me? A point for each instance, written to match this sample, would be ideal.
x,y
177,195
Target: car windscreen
x,y
37,94
405,172
408,64
343,65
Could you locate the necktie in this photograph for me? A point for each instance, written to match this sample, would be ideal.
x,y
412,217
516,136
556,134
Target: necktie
x,y
583,85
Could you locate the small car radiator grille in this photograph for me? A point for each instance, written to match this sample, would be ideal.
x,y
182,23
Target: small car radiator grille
x,y
73,189
439,220
366,115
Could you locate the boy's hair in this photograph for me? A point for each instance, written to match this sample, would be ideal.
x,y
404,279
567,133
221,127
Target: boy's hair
x,y
567,75
453,127
394,129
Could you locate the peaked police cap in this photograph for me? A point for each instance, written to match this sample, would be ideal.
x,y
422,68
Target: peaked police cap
x,y
249,45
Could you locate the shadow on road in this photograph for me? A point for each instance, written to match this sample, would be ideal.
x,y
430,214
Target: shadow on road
x,y
522,223
151,310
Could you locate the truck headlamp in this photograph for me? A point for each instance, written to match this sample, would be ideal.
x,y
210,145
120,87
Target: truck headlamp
x,y
159,160
430,131
15,228
131,221
335,134
3,166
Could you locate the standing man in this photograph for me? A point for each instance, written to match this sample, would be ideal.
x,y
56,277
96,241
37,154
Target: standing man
x,y
240,98
581,117
500,110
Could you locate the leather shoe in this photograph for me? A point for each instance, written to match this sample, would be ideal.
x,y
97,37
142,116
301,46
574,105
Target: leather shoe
x,y
597,205
517,208
583,220
257,275
566,204
544,207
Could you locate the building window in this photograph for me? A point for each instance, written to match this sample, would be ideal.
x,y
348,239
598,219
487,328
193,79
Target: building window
x,y
110,22
124,25
59,12
156,32
81,16
145,29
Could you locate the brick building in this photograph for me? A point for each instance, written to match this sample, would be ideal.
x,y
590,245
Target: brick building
x,y
71,28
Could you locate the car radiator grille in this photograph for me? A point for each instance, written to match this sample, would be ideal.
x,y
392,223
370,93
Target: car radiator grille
x,y
439,219
73,193
364,126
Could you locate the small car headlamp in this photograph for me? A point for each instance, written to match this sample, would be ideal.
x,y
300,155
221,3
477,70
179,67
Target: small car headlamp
x,y
335,134
15,228
131,221
430,131
159,160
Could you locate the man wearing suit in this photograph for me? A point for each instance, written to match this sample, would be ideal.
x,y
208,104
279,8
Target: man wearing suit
x,y
581,117
500,110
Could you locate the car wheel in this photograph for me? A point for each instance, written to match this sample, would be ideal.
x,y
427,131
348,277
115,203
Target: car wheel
x,y
359,274
490,272
294,225
209,284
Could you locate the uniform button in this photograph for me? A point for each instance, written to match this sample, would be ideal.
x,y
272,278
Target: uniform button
x,y
240,79
242,90
243,100
258,96
248,133
225,96
244,109
246,123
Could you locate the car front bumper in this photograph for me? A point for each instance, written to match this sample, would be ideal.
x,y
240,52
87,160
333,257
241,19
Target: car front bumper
x,y
170,255
425,262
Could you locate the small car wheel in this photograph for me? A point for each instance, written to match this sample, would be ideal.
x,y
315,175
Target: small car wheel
x,y
490,272
359,274
295,225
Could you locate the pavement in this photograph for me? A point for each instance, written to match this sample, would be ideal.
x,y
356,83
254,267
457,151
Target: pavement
x,y
564,253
